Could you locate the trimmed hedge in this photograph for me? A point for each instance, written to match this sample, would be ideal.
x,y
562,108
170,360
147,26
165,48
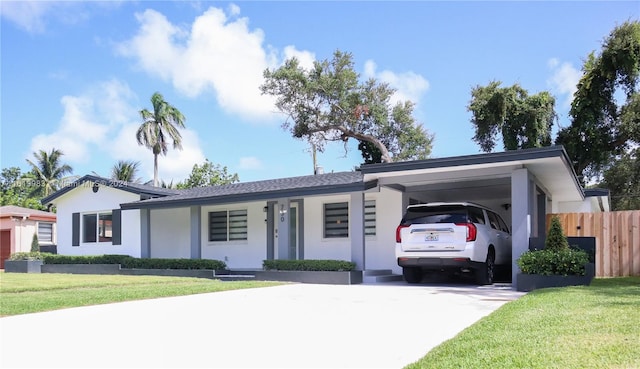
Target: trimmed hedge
x,y
553,262
27,256
309,265
135,263
129,262
90,259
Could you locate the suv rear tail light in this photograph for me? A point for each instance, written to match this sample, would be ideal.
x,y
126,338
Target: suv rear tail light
x,y
398,237
472,231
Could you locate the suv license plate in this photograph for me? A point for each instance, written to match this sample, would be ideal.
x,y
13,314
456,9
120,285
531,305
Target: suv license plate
x,y
431,237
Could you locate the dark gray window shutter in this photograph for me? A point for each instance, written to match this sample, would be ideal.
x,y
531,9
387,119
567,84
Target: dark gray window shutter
x,y
75,229
116,226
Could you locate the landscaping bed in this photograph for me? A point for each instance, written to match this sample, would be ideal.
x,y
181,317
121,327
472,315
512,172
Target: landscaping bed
x,y
319,277
310,271
302,271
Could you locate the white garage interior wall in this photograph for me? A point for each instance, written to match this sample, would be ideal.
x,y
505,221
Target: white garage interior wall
x,y
589,205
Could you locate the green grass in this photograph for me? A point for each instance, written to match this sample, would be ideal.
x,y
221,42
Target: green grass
x,y
574,327
22,293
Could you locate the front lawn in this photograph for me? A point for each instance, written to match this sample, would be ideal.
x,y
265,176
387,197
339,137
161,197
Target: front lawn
x,y
22,293
574,327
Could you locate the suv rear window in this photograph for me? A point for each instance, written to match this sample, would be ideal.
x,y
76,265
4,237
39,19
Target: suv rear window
x,y
435,214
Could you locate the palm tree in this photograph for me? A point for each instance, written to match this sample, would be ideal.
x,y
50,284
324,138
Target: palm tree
x,y
158,127
126,170
48,170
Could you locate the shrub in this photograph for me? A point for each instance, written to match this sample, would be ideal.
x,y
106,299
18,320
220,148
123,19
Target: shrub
x,y
556,240
553,262
35,244
27,256
309,265
127,261
556,258
85,259
135,263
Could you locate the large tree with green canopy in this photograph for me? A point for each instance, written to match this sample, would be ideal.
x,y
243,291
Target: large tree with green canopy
x,y
521,120
208,174
622,179
20,189
329,103
605,112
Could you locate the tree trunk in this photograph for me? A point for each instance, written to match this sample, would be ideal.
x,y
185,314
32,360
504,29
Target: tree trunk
x,y
385,157
155,170
346,133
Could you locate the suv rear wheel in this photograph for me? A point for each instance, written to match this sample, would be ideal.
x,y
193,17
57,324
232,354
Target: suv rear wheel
x,y
484,274
412,274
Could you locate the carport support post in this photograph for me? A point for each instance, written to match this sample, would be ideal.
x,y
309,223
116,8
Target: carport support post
x,y
145,233
356,223
521,208
195,221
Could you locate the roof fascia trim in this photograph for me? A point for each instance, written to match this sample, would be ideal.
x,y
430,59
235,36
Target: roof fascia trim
x,y
103,181
252,196
487,158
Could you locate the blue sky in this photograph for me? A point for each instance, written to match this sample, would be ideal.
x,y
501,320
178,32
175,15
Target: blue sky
x,y
75,74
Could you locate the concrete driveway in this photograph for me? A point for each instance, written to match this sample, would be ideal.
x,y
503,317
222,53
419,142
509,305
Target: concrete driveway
x,y
385,325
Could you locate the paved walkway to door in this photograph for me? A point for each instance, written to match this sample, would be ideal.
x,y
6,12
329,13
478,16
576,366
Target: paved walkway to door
x,y
292,326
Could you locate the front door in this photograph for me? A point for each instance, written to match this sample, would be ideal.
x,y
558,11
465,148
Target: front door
x,y
5,246
293,234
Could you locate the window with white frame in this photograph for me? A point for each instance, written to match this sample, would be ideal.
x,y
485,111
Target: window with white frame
x,y
97,227
228,225
336,220
45,232
370,218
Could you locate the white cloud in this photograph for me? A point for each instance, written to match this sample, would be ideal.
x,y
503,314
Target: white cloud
x,y
220,53
234,9
77,131
408,85
250,163
217,54
102,122
177,165
306,58
564,79
28,15
33,16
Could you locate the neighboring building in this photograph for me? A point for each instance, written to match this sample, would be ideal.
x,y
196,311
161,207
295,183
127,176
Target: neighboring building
x,y
348,216
17,227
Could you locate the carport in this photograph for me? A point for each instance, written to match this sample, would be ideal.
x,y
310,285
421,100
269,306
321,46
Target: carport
x,y
522,185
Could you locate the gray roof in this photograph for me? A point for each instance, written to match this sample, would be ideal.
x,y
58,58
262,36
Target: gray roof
x,y
321,184
485,158
136,188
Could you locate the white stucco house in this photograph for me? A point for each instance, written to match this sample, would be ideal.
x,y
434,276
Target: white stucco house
x,y
347,216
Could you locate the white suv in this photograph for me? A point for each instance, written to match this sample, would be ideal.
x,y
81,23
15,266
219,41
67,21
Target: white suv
x,y
452,236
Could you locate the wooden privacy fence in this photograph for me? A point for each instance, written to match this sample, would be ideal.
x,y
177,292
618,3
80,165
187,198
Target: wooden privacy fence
x,y
617,239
